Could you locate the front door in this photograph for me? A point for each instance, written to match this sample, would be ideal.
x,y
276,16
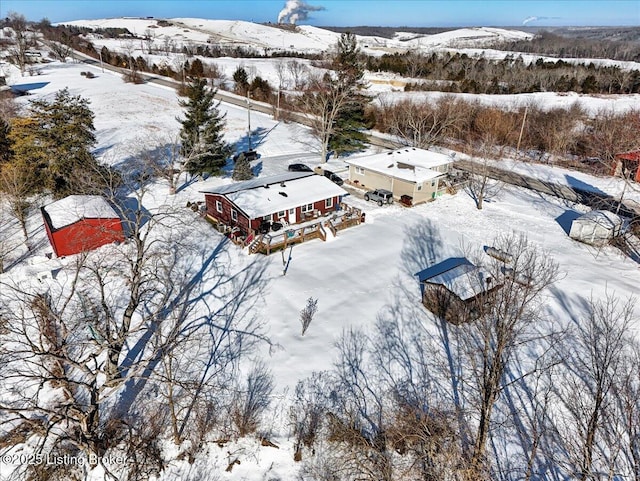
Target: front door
x,y
292,216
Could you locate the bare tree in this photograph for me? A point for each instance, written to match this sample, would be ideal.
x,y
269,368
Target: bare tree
x,y
423,124
149,38
168,45
481,184
281,72
61,45
16,187
161,157
252,400
594,358
129,48
504,319
322,102
18,50
306,315
298,72
87,353
627,398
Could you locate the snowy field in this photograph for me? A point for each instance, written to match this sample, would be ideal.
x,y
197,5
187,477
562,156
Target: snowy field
x,y
356,274
365,272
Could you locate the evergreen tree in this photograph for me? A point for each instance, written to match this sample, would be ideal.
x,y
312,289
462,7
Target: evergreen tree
x,y
197,68
203,147
5,146
53,143
28,152
348,134
63,131
242,169
260,89
241,79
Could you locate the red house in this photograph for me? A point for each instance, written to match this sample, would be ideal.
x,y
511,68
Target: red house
x,y
79,223
257,204
627,163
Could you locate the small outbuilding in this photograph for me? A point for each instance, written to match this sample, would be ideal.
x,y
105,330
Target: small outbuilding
x,y
597,227
80,223
455,289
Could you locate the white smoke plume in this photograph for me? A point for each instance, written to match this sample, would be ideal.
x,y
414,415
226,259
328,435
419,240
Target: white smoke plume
x,y
535,19
296,10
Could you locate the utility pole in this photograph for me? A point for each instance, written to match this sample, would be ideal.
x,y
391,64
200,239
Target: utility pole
x,y
249,116
524,118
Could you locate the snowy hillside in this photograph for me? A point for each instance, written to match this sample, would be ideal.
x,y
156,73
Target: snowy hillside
x,y
461,38
304,38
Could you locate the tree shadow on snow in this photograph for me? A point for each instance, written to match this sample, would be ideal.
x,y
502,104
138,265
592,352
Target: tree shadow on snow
x,y
208,306
258,137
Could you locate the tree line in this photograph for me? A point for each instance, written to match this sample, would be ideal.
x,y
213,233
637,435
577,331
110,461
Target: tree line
x,y
549,43
572,135
456,72
443,71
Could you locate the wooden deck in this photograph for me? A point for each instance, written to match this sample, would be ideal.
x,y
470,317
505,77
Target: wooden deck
x,y
272,242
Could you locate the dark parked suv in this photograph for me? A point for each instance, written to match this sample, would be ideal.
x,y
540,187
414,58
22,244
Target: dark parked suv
x,y
333,177
299,168
380,196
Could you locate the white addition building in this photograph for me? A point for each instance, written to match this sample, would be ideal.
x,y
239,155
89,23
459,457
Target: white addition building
x,y
408,171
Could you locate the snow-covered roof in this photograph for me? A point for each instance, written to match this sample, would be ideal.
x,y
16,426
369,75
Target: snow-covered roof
x,y
253,183
73,208
601,217
411,164
257,200
458,276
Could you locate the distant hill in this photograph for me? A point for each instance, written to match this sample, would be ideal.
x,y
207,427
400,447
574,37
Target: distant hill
x,y
623,34
387,32
303,38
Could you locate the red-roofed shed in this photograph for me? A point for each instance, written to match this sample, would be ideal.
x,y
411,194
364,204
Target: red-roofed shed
x,y
80,223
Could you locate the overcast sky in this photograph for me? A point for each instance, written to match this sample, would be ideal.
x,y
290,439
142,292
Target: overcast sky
x,y
418,13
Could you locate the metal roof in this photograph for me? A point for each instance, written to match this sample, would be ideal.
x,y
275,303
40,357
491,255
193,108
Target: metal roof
x,y
254,183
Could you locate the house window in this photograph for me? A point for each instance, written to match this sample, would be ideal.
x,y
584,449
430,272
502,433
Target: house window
x,y
219,206
280,214
434,182
419,186
359,170
234,215
328,202
268,218
307,208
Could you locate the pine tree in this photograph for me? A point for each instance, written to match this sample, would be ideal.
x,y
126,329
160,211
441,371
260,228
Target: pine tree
x,y
201,133
348,132
241,79
242,169
63,132
5,146
28,152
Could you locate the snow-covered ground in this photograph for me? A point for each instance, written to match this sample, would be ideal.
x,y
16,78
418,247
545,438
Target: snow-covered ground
x,y
355,276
